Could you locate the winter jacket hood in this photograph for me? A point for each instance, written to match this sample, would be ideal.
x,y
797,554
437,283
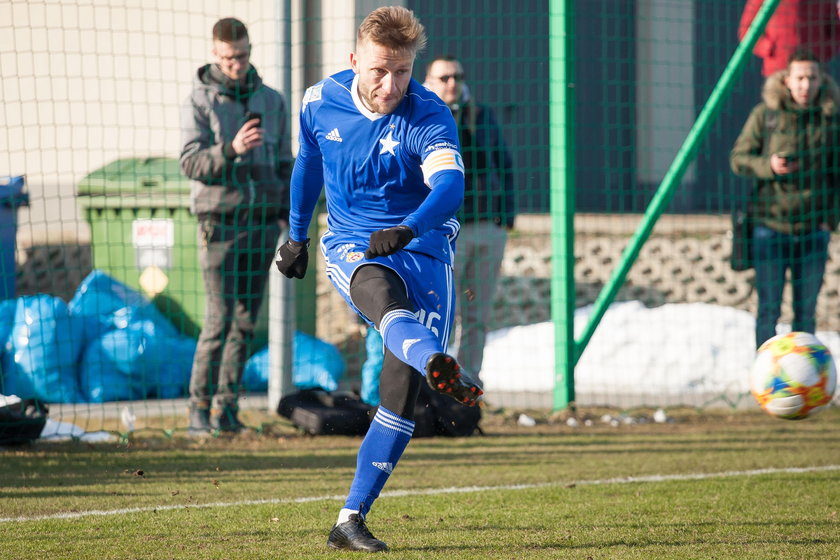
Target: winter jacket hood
x,y
777,97
211,75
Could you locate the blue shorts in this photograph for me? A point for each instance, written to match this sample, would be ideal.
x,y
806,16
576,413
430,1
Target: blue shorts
x,y
428,281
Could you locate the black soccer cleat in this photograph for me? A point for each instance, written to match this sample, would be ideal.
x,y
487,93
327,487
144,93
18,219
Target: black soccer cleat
x,y
354,535
443,374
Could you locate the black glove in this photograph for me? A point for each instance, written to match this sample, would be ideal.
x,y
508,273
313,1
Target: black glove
x,y
292,257
388,241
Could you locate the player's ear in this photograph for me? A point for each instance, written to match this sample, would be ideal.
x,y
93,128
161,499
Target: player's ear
x,y
354,62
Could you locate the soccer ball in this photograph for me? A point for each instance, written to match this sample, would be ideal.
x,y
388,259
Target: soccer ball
x,y
793,376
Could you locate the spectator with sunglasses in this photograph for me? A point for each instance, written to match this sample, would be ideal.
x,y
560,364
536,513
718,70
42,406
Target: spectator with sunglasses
x,y
489,208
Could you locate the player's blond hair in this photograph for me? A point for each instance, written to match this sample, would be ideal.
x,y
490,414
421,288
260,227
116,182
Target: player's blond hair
x,y
393,27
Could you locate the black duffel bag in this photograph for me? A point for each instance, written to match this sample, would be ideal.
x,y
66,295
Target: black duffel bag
x,y
21,421
438,415
318,412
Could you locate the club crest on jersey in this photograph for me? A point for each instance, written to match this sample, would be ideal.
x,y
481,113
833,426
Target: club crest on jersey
x,y
354,256
344,249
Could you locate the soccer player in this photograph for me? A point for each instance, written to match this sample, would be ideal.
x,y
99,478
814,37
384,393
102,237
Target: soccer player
x,y
386,151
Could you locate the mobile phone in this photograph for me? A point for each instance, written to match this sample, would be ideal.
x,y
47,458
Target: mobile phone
x,y
249,116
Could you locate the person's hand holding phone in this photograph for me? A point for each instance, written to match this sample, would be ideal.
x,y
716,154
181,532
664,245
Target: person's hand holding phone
x,y
784,164
250,135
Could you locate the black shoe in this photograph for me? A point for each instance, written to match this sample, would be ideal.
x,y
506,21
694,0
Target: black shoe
x,y
443,374
226,420
199,422
354,535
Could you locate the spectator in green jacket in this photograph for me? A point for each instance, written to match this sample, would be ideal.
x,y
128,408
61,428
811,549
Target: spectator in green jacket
x,y
790,146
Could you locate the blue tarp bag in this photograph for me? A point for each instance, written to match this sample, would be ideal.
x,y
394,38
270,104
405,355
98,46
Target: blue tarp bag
x,y
41,354
255,375
7,319
316,364
136,362
173,374
135,352
372,367
106,304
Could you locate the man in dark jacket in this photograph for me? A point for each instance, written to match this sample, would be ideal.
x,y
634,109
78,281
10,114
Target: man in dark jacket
x,y
790,145
488,211
236,151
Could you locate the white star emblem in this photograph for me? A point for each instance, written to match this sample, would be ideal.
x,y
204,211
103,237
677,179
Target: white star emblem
x,y
388,144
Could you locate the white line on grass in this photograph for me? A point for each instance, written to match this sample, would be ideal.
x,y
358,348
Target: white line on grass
x,y
431,491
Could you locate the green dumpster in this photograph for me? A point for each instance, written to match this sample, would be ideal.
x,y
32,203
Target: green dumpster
x,y
143,234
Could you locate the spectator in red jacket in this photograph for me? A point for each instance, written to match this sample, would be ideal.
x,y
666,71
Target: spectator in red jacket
x,y
812,24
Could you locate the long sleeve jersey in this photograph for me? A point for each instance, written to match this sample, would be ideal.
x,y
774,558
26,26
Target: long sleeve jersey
x,y
379,171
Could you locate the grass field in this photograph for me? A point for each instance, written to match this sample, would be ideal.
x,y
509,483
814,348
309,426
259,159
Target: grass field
x,y
709,485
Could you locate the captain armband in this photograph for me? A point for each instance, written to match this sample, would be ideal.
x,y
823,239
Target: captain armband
x,y
444,159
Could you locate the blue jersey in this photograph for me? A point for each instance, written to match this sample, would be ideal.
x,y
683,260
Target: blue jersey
x,y
379,171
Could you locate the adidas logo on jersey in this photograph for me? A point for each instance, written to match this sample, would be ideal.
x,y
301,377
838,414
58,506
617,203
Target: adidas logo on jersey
x,y
334,135
385,467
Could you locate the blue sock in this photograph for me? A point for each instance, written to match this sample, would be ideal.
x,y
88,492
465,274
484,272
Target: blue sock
x,y
408,339
382,447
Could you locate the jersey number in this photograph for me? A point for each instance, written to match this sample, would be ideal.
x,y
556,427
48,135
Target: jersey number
x,y
428,321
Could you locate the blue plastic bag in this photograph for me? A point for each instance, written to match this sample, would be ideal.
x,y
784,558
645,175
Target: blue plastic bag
x,y
173,375
316,364
40,359
136,362
106,304
372,368
135,352
7,319
255,375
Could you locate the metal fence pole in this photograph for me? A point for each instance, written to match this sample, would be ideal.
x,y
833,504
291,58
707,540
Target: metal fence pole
x,y
281,328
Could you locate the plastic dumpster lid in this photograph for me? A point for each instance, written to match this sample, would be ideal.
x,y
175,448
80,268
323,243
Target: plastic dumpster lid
x,y
134,176
147,182
13,191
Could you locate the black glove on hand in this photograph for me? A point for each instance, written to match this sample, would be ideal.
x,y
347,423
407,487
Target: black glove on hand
x,y
388,241
292,258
